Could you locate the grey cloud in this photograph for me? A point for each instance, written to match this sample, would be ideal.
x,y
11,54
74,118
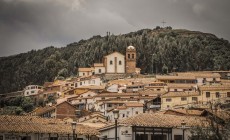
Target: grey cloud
x,y
32,24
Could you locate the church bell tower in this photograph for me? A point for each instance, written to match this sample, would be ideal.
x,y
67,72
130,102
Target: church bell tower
x,y
130,59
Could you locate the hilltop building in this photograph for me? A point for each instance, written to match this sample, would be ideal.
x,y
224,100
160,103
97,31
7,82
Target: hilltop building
x,y
114,63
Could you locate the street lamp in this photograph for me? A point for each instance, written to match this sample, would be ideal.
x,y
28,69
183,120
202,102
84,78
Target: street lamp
x,y
116,116
74,125
183,124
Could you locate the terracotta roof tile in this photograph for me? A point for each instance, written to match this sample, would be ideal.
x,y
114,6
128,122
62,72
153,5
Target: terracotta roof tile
x,y
180,94
98,65
162,120
32,124
85,69
215,87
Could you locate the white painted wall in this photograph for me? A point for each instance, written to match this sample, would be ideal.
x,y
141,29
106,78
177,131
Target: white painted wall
x,y
97,70
121,133
111,67
31,90
113,88
91,82
87,73
125,113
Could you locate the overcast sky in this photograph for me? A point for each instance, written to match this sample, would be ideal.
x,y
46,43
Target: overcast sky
x,y
35,24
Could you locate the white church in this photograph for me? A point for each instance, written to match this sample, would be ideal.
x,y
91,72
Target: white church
x,y
114,63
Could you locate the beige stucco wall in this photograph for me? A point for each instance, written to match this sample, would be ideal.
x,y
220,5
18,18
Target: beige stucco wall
x,y
115,67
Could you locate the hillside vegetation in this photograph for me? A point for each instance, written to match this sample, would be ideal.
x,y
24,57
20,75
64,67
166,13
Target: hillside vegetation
x,y
158,50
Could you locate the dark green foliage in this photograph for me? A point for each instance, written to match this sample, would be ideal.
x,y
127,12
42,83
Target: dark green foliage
x,y
17,106
179,50
27,104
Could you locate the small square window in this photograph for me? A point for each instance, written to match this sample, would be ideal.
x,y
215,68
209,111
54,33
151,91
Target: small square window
x,y
168,100
194,99
183,98
207,94
111,62
217,94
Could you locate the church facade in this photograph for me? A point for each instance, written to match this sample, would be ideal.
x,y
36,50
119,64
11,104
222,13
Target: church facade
x,y
114,63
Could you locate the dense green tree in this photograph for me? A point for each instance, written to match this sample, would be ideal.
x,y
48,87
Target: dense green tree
x,y
179,50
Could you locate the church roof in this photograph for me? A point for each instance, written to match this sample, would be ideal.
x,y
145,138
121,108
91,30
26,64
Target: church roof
x,y
114,53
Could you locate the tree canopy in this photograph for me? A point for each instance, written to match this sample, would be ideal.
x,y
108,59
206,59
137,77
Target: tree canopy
x,y
173,49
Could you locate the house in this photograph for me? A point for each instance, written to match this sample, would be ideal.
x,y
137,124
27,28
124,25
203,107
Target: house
x,y
199,78
127,109
114,63
32,90
156,86
180,87
53,89
84,100
59,111
156,126
179,99
36,128
214,93
85,71
83,89
99,68
95,117
134,88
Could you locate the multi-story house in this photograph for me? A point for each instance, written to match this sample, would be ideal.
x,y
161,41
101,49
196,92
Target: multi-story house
x,y
84,100
179,99
32,90
199,78
128,109
214,93
59,111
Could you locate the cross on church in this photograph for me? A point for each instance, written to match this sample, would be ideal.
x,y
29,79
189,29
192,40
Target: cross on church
x,y
163,22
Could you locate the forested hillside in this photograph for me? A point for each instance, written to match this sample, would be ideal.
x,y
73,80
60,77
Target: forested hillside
x,y
166,49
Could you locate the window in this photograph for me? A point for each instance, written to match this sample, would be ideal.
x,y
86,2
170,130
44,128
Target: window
x,y
103,98
228,94
133,56
80,83
120,62
204,80
183,98
111,62
207,94
128,55
217,94
158,89
83,74
175,89
123,115
168,100
177,137
32,91
99,70
136,112
194,99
